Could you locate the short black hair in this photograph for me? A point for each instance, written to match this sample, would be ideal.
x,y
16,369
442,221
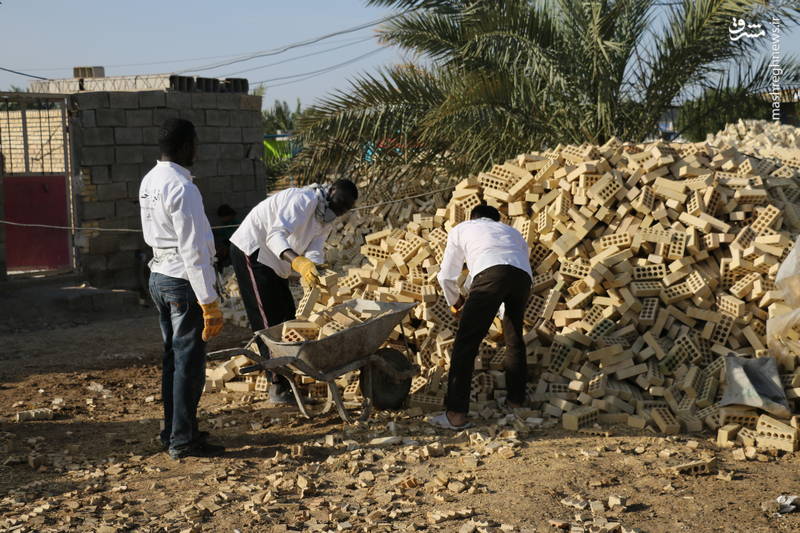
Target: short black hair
x,y
346,186
485,211
174,134
225,211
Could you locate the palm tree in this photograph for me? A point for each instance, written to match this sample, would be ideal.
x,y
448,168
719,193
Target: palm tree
x,y
495,78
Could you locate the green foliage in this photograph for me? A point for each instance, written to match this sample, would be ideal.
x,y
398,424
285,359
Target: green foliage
x,y
499,78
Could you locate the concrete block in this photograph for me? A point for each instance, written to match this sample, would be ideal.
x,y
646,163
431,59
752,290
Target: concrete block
x,y
139,118
252,134
149,99
178,100
92,100
133,188
228,101
216,117
97,210
96,155
161,115
121,261
208,152
245,119
150,134
231,151
111,117
129,154
204,100
87,118
228,167
104,244
99,174
230,135
204,169
97,136
207,135
243,183
124,100
250,102
150,154
128,135
111,191
221,184
195,116
126,172
126,208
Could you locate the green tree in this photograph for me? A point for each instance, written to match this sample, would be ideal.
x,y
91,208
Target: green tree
x,y
497,78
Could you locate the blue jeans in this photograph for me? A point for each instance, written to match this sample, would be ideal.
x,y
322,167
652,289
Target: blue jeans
x,y
184,364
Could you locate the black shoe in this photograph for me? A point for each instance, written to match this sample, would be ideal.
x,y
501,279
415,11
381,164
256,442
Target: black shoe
x,y
197,449
202,436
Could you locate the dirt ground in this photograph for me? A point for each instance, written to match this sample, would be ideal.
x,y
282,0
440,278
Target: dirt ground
x,y
97,467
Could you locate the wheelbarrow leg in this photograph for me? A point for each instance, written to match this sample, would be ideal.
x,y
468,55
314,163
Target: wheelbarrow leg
x,y
337,399
329,403
297,397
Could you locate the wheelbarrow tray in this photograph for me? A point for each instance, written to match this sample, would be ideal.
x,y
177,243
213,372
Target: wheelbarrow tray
x,y
347,346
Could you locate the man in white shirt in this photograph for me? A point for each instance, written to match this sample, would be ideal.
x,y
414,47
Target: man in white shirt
x,y
285,232
181,285
497,259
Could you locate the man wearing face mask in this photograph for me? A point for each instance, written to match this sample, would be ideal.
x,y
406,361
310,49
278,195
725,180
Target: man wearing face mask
x,y
285,232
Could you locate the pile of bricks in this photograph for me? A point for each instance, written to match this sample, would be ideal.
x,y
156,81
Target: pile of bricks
x,y
651,264
347,235
765,139
227,376
750,432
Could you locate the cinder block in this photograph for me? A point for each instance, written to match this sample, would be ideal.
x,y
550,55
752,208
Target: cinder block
x,y
129,154
97,210
110,117
231,135
124,100
91,100
150,99
97,136
179,100
139,118
128,135
216,117
111,191
96,155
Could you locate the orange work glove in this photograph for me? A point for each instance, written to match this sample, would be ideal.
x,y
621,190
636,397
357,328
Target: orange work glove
x,y
307,269
212,320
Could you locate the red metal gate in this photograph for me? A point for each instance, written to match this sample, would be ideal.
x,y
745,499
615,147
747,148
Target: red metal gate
x,y
34,146
36,200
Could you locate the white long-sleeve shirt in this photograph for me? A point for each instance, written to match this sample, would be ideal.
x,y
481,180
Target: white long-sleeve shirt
x,y
285,220
482,243
176,227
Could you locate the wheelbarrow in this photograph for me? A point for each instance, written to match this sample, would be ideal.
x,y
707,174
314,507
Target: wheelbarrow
x,y
385,373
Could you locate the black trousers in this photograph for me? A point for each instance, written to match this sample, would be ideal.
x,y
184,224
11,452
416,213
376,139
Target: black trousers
x,y
498,284
266,296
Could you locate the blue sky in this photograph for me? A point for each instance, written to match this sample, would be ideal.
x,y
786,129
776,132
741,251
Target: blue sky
x,y
48,37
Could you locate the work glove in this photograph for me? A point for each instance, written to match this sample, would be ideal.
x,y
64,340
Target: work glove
x,y
212,320
307,270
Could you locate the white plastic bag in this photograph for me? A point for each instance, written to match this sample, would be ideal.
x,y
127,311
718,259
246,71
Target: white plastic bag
x,y
782,342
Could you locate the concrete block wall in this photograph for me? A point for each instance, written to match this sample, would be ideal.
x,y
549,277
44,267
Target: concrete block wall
x,y
116,145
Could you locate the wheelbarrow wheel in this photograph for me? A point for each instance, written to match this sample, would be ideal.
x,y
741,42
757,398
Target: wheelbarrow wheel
x,y
387,391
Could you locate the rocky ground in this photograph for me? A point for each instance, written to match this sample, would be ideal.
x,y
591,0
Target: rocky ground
x,y
97,467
